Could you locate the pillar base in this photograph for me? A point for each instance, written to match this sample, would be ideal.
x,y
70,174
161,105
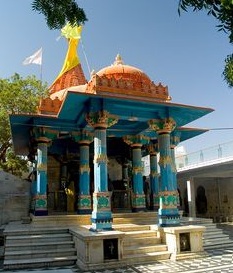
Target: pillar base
x,y
168,217
40,213
101,220
84,211
40,205
138,203
84,204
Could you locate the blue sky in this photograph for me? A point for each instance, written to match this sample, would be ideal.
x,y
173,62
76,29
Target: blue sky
x,y
184,52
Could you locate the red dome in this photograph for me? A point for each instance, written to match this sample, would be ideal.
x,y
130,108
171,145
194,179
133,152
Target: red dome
x,y
126,72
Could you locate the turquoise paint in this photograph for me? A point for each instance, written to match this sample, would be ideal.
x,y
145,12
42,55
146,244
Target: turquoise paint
x,y
165,166
101,215
84,174
42,168
167,216
154,179
137,170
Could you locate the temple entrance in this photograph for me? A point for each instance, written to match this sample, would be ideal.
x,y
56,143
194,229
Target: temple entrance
x,y
201,201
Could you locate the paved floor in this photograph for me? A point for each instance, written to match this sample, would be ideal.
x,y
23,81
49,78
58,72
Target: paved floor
x,y
219,260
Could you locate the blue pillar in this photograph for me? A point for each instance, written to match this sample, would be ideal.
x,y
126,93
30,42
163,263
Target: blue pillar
x,y
101,214
168,212
43,137
154,175
175,139
84,139
138,198
41,185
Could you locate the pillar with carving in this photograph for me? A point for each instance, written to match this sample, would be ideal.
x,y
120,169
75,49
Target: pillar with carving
x,y
154,175
101,215
43,137
138,198
168,213
175,140
84,139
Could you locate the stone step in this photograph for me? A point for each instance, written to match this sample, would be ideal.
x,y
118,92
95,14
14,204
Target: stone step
x,y
217,245
146,257
38,246
216,241
131,227
141,233
31,238
141,241
41,253
132,250
15,230
217,234
39,262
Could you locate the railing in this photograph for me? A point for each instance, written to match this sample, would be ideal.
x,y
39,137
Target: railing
x,y
206,157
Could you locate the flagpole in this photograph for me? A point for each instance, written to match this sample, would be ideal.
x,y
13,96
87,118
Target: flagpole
x,y
85,56
41,78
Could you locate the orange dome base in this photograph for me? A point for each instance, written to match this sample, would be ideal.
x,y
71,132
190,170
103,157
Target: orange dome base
x,y
126,80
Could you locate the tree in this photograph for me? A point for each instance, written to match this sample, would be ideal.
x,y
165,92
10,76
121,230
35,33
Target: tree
x,y
58,12
17,95
222,10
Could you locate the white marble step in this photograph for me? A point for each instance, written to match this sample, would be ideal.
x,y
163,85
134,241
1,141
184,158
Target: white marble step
x,y
146,257
42,253
38,245
39,262
141,241
144,249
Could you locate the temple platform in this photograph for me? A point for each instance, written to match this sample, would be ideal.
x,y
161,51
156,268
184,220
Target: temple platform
x,y
66,240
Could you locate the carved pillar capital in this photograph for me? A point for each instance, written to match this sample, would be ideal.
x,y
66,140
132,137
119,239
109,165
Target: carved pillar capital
x,y
101,119
175,139
44,135
153,148
166,125
136,141
83,137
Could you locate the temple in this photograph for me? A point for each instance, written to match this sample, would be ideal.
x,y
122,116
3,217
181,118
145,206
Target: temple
x,y
88,138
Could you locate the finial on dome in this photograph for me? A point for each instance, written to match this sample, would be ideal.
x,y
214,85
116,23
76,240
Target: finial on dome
x,y
118,60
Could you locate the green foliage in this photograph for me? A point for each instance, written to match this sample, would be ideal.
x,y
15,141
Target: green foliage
x,y
17,95
228,70
58,12
14,164
222,10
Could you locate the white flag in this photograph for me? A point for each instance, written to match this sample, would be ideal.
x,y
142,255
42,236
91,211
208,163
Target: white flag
x,y
36,58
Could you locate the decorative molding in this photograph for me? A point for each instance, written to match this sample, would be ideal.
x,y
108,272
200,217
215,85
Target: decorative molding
x,y
136,140
168,199
101,201
84,201
100,158
137,170
154,174
165,160
128,86
84,168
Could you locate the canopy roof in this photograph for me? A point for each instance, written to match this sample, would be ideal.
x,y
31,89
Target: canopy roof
x,y
133,115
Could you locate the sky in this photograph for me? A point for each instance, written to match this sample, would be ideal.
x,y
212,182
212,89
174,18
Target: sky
x,y
185,52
